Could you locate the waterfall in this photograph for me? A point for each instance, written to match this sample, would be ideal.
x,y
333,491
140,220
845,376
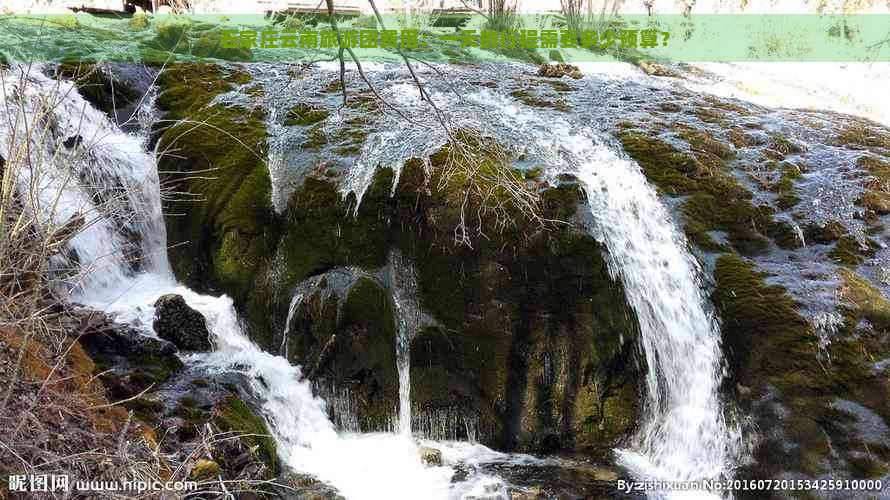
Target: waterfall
x,y
67,176
684,435
291,310
404,290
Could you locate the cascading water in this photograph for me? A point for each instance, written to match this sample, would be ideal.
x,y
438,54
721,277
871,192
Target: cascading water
x,y
369,466
684,435
404,285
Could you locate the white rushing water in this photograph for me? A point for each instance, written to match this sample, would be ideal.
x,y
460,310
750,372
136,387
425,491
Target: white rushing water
x,y
684,436
361,466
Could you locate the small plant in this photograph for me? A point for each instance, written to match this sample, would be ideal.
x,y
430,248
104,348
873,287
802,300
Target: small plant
x,y
476,175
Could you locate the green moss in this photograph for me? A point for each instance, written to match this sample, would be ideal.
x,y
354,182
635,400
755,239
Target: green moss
x,y
880,169
99,88
875,200
316,138
672,171
529,99
861,135
703,142
171,32
721,104
139,21
365,352
826,233
770,347
848,250
235,416
709,115
753,311
221,225
670,107
737,217
189,87
304,114
557,85
153,370
741,139
781,145
784,187
863,300
718,202
187,411
145,409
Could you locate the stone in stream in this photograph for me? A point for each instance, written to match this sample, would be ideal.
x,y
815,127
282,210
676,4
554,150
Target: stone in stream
x,y
177,322
430,457
101,336
558,70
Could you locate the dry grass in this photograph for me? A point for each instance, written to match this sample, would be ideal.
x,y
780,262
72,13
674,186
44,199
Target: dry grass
x,y
476,175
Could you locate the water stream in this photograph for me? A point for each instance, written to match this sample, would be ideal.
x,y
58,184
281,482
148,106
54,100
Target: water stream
x,y
119,264
366,466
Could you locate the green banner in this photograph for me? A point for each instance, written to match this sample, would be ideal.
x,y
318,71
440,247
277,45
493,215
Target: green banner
x,y
446,38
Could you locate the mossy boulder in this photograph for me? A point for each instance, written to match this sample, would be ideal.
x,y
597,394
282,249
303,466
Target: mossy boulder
x,y
791,386
221,226
304,114
350,345
534,338
512,309
99,86
234,415
864,301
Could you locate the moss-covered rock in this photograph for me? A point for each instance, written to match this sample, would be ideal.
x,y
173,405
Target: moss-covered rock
x,y
863,134
864,301
718,201
233,415
351,347
303,114
510,306
99,87
220,222
774,352
850,251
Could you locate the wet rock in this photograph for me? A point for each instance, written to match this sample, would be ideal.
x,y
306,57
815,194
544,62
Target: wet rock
x,y
73,141
877,201
430,457
558,70
655,69
234,415
177,322
99,85
102,337
533,493
305,487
